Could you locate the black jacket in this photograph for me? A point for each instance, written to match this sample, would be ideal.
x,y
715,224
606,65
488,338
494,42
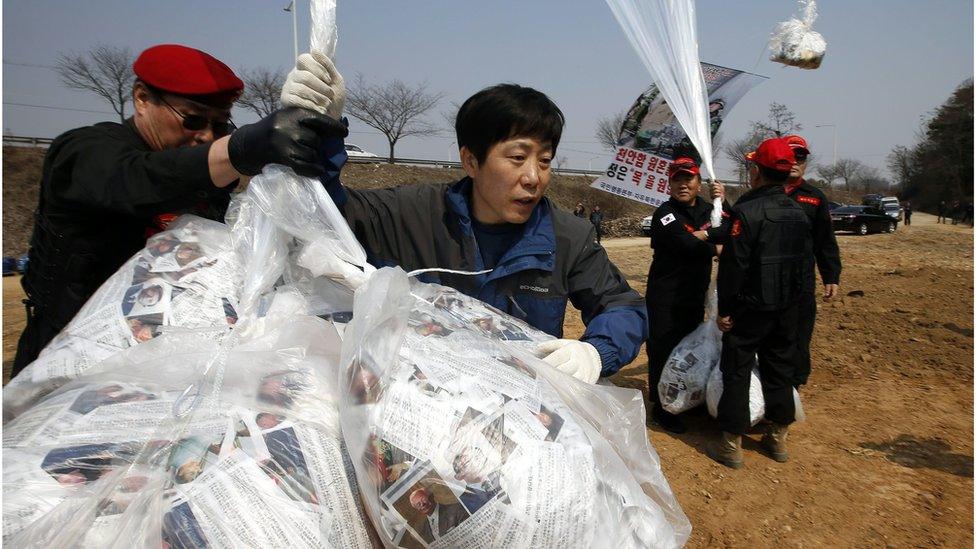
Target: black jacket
x,y
682,265
826,253
763,263
102,189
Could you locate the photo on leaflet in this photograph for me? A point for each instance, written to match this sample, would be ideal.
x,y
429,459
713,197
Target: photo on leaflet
x,y
230,312
426,502
145,327
452,304
181,530
425,325
551,421
187,252
162,244
363,380
419,379
476,455
518,364
385,463
125,492
284,387
143,270
190,456
287,466
150,297
77,465
107,395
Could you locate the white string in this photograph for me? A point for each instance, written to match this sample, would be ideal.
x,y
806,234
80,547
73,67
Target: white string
x,y
448,271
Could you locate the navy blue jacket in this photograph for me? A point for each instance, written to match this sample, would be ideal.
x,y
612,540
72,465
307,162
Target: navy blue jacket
x,y
556,260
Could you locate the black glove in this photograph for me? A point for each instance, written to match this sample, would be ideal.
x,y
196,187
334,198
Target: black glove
x,y
290,136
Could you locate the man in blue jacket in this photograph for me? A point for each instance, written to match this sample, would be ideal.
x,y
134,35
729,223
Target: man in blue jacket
x,y
495,218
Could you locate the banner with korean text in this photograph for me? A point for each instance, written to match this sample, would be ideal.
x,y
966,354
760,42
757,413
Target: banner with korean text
x,y
650,137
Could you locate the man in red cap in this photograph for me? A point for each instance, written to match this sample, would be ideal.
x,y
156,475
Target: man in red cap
x,y
103,187
826,254
684,243
760,280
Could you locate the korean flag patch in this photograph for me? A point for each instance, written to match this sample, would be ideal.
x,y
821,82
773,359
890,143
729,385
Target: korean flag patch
x,y
667,219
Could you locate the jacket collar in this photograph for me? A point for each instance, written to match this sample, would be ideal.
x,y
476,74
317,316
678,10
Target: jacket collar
x,y
535,250
765,190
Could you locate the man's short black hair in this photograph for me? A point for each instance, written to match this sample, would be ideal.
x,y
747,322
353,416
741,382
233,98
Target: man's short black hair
x,y
771,175
506,111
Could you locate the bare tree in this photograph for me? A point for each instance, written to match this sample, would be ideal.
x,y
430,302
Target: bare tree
x,y
394,108
262,90
735,151
901,164
608,130
104,70
850,170
780,121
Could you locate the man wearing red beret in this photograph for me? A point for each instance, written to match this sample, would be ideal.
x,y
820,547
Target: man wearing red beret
x,y
760,280
826,254
104,187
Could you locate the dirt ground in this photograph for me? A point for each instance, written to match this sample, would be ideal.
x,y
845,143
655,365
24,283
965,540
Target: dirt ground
x,y
885,458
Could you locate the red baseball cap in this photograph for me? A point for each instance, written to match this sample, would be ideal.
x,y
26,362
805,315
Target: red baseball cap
x,y
797,143
774,154
683,164
189,72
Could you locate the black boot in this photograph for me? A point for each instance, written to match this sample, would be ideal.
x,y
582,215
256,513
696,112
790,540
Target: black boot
x,y
668,421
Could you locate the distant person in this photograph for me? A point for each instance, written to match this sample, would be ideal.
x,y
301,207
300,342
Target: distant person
x,y
684,244
956,212
579,211
908,214
596,218
497,217
825,252
760,283
104,187
967,214
943,210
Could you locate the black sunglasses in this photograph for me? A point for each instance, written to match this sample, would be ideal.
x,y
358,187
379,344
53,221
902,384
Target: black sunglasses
x,y
196,122
800,156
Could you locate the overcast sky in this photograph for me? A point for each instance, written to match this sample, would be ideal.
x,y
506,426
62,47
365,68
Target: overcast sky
x,y
888,64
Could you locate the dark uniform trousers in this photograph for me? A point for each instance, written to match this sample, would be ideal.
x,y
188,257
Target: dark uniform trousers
x,y
38,332
771,334
668,325
807,318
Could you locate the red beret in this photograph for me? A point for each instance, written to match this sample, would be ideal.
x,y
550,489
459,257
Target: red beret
x,y
189,72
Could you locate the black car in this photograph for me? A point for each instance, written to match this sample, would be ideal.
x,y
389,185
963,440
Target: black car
x,y
862,220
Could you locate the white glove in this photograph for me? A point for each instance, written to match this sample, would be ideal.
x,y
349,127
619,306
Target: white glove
x,y
576,358
315,84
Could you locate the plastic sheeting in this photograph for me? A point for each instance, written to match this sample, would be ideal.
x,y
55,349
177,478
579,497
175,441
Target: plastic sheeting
x,y
795,43
199,437
757,404
685,375
665,37
185,278
461,438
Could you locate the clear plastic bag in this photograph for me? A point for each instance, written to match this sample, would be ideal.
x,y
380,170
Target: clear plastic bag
x,y
197,437
180,450
685,375
757,404
186,277
462,438
795,43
